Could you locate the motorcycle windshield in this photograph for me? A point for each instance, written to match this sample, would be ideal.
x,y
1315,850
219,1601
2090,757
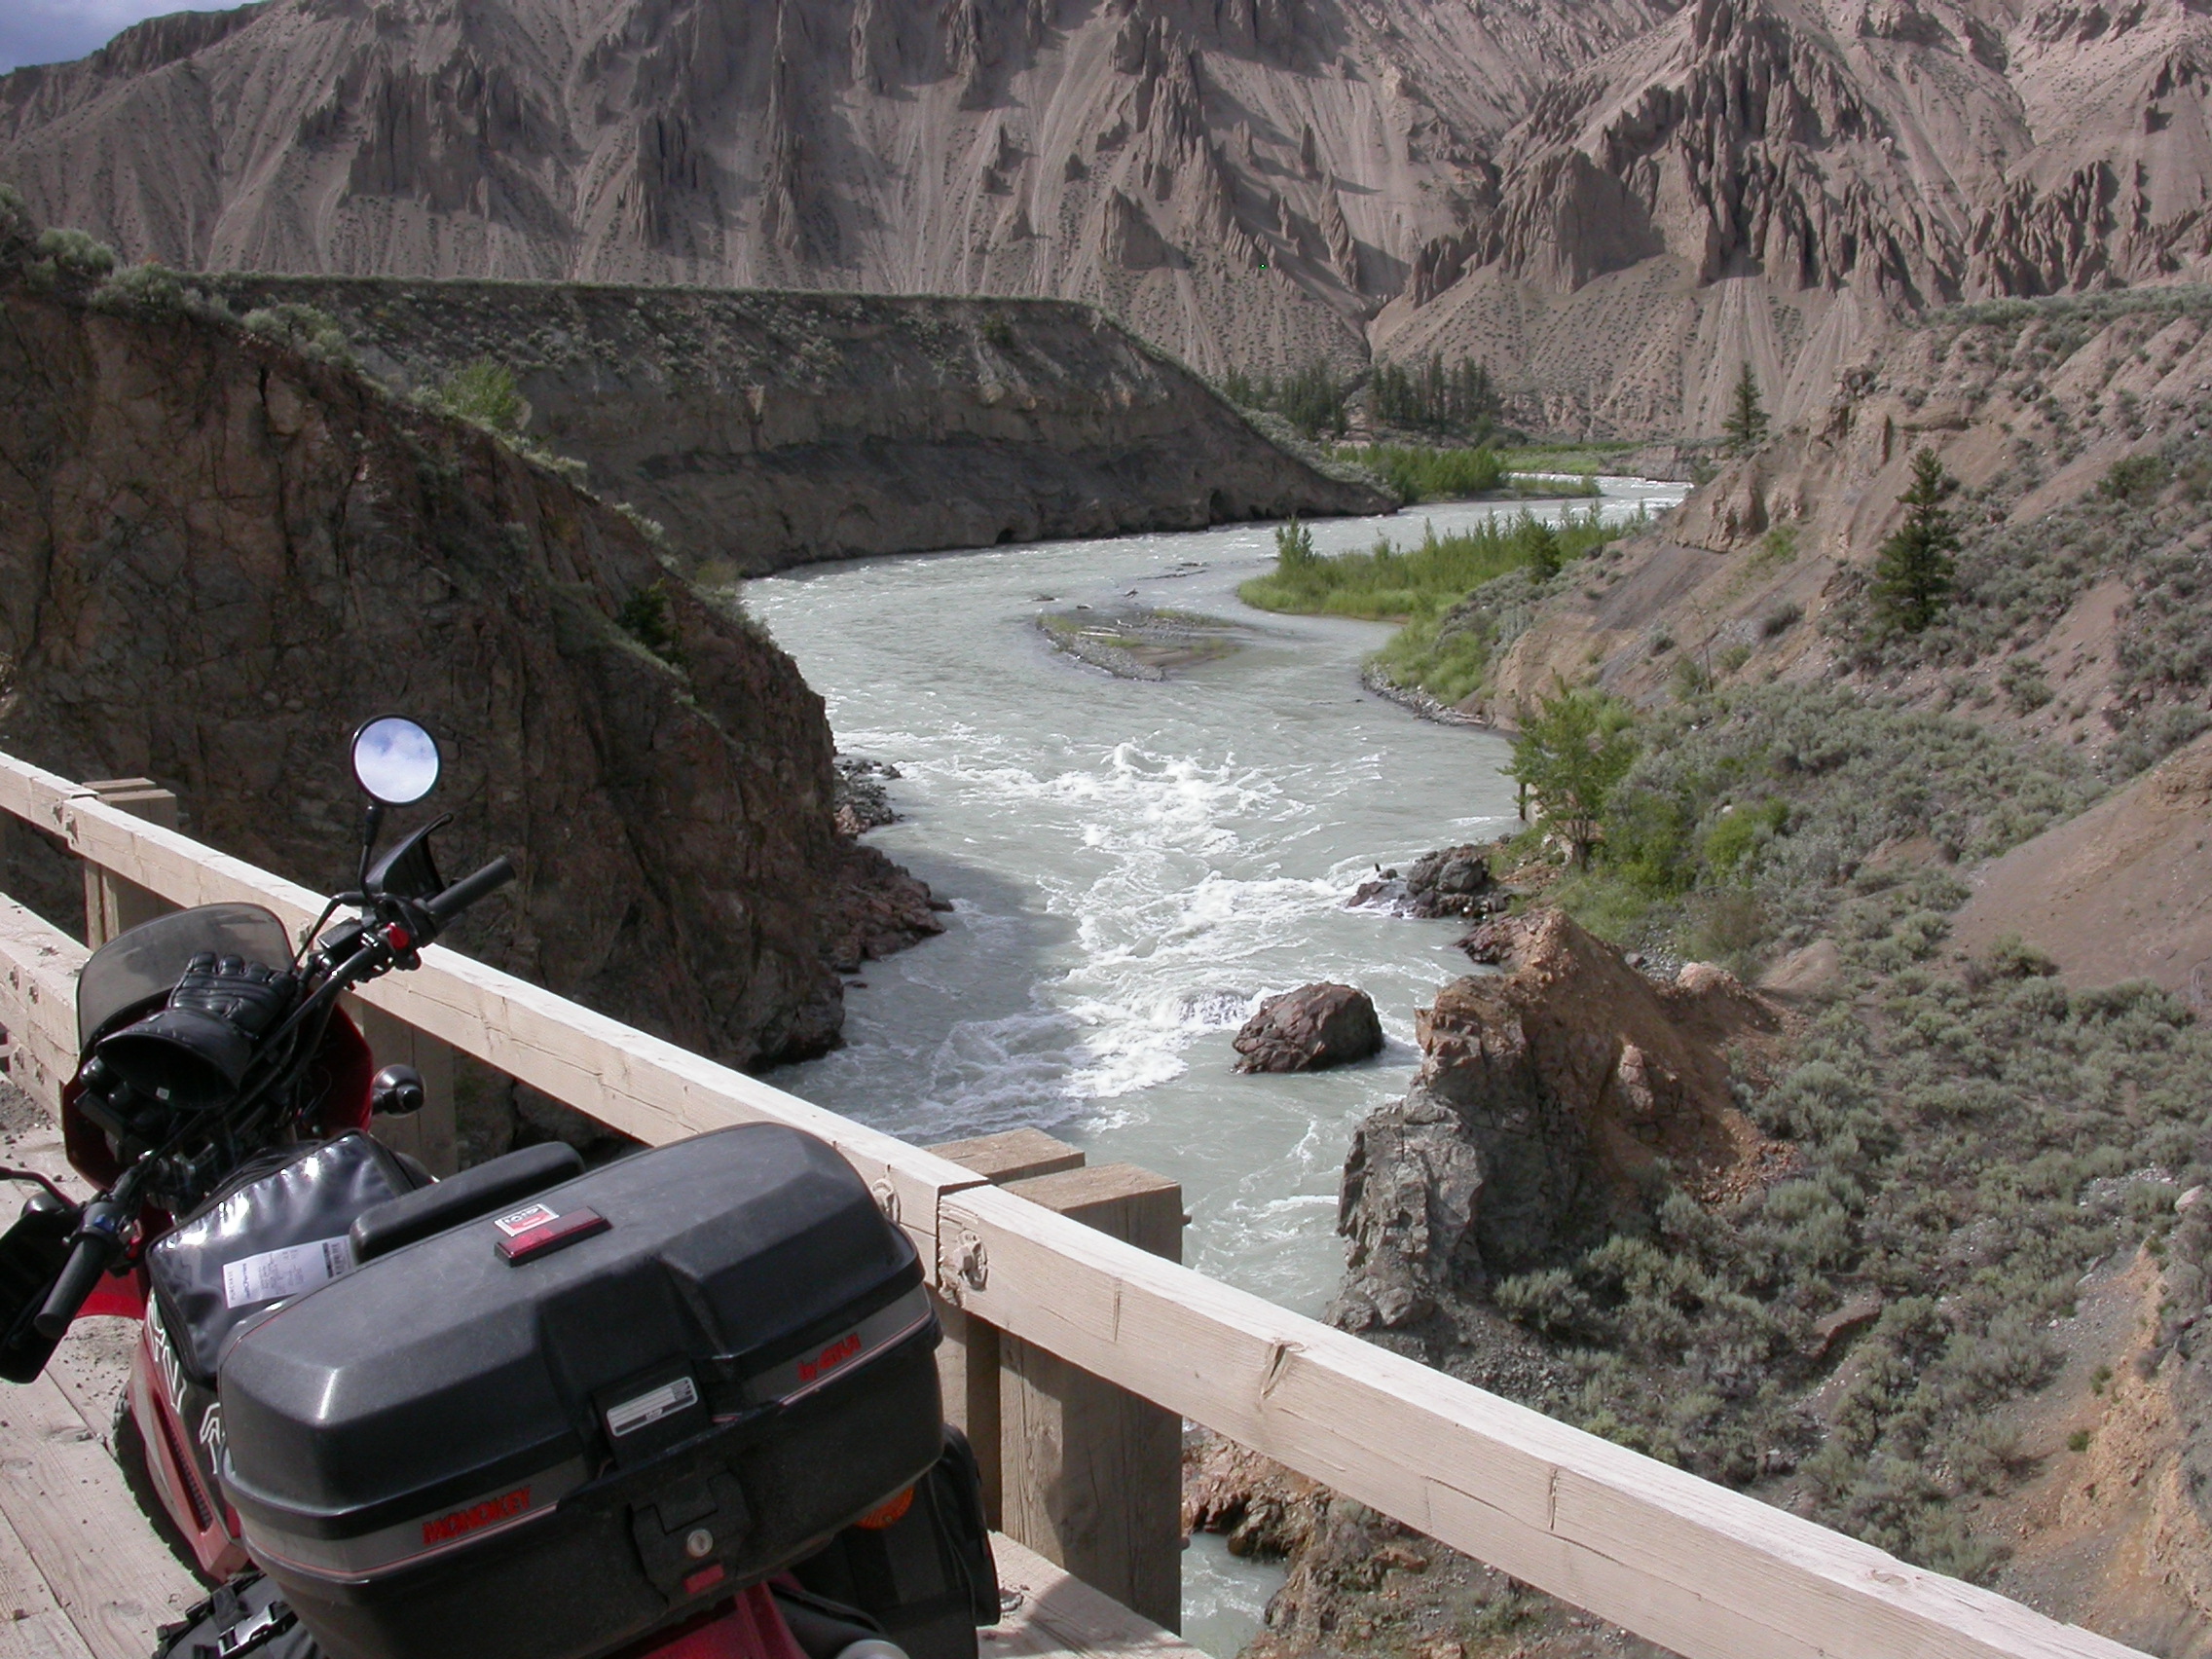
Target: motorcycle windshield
x,y
150,958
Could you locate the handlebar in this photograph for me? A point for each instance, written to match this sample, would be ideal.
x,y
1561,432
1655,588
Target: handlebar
x,y
468,890
97,1242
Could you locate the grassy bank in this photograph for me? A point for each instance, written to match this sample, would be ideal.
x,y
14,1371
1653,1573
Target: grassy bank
x,y
1460,597
1420,473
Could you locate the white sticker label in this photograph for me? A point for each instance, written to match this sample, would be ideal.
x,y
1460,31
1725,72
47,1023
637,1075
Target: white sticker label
x,y
274,1274
664,1401
521,1221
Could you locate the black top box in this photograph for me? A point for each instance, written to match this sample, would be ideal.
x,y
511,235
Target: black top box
x,y
542,1434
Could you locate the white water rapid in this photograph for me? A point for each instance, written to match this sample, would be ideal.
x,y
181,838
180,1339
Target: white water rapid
x,y
1132,865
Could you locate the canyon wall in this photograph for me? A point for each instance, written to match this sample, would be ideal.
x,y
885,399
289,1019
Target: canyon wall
x,y
219,553
763,429
1613,202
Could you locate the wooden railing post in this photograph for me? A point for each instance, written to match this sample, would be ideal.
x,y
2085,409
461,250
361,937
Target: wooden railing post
x,y
1087,1474
112,905
1092,1472
429,1135
968,1364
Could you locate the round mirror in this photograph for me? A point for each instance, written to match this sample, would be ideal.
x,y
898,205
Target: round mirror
x,y
395,761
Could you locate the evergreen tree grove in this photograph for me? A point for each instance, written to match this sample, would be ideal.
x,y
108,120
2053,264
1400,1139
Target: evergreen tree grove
x,y
1746,427
1913,572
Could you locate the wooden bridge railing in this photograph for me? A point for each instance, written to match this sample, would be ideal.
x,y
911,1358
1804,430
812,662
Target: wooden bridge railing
x,y
1709,1572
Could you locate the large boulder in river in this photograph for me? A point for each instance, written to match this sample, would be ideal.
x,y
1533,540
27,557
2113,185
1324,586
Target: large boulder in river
x,y
1546,1098
1307,1029
1451,881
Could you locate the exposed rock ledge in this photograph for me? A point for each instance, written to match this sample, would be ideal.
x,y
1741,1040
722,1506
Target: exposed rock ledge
x,y
1545,1098
764,429
218,554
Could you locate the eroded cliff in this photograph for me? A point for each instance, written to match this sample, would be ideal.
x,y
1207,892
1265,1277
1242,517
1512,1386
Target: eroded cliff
x,y
220,553
1612,204
763,429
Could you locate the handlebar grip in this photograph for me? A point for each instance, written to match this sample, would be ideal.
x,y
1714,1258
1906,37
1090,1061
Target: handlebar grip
x,y
468,889
79,1274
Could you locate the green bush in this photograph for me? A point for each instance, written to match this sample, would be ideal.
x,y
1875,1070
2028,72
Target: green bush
x,y
2137,478
484,391
304,329
1430,474
76,252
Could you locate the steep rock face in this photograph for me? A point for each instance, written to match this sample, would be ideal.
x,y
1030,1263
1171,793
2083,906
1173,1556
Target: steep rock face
x,y
220,554
766,430
1543,1097
1144,154
1614,204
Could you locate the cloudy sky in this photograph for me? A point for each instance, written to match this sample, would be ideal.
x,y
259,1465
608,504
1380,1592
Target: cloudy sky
x,y
50,31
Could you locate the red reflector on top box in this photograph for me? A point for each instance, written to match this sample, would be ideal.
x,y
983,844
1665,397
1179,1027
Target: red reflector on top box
x,y
537,1230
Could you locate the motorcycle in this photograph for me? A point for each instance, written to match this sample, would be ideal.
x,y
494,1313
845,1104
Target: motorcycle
x,y
221,1107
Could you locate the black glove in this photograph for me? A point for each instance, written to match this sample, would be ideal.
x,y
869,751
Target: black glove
x,y
249,995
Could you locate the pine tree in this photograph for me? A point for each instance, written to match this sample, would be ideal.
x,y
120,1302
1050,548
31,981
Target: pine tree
x,y
1913,571
1747,424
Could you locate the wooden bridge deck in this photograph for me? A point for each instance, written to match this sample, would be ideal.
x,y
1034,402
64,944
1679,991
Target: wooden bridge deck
x,y
83,1575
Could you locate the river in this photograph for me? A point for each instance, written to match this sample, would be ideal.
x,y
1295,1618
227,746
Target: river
x,y
1131,866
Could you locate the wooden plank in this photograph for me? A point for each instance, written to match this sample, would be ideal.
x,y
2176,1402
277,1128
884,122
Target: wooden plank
x,y
1691,1566
967,1360
1015,1155
66,1499
1092,1473
113,905
39,965
32,1623
1058,1614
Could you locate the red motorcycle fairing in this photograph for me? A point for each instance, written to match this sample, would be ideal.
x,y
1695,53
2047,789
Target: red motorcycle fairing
x,y
180,1425
752,1627
179,1458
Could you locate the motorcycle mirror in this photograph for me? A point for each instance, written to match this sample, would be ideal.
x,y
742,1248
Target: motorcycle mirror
x,y
395,761
396,1092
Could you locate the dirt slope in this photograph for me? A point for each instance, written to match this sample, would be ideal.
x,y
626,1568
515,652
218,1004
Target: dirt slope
x,y
2123,891
1614,204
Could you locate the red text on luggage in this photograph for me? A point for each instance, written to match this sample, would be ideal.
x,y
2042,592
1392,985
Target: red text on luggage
x,y
831,1357
462,1521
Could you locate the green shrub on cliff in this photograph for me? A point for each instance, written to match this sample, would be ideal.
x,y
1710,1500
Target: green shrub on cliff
x,y
306,331
484,391
76,252
1573,749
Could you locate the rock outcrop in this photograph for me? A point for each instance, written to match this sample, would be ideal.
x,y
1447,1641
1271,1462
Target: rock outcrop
x,y
1545,1098
1614,204
1451,881
1309,1029
768,429
219,553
